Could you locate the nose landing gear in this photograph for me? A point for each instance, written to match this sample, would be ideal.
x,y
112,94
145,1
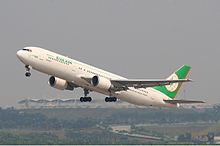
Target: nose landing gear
x,y
28,73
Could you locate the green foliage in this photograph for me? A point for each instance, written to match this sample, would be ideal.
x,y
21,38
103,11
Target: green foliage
x,y
79,126
32,138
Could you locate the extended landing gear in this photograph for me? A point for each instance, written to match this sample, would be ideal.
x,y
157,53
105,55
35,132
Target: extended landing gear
x,y
110,99
85,98
28,73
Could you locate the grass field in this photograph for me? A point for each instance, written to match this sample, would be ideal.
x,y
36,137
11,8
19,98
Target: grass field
x,y
172,130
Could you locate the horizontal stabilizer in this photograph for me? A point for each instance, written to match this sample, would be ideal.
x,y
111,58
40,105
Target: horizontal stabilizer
x,y
183,101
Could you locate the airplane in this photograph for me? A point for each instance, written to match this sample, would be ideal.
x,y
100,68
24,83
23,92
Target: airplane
x,y
68,74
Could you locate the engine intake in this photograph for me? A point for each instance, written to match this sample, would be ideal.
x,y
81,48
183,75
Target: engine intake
x,y
60,83
101,83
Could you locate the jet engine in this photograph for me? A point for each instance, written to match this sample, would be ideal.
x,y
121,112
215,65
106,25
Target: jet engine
x,y
60,83
101,83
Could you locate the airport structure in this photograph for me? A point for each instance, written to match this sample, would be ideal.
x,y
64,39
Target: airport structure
x,y
71,103
35,103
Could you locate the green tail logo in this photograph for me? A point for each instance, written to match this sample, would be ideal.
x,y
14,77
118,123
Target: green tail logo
x,y
172,89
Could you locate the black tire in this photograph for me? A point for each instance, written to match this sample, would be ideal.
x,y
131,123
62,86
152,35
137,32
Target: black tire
x,y
81,99
84,99
115,99
89,99
106,99
27,74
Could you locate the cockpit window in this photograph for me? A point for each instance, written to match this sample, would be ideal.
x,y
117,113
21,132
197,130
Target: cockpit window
x,y
29,50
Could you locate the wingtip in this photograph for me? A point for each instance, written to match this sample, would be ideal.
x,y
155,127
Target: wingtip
x,y
201,101
190,80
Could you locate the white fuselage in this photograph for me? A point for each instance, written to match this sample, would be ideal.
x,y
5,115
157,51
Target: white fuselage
x,y
72,71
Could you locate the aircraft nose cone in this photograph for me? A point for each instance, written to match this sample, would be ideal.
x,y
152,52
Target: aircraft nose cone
x,y
19,54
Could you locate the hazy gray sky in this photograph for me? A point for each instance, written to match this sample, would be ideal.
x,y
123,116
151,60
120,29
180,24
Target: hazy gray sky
x,y
136,39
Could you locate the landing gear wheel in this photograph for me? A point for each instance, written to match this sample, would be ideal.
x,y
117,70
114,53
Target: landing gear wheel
x,y
106,99
85,99
110,99
89,99
27,74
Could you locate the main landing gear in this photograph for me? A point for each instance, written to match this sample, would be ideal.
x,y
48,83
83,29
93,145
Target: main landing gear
x,y
89,99
110,99
28,73
85,98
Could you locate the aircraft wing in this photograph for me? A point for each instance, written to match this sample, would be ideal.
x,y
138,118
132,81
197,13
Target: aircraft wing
x,y
183,101
145,83
139,83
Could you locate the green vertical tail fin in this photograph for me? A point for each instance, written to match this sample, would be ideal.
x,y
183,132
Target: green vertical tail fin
x,y
172,89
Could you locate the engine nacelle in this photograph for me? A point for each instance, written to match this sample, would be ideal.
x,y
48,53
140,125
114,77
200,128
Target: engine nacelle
x,y
101,83
59,83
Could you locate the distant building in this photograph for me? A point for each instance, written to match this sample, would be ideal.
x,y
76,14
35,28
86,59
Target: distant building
x,y
211,138
72,103
217,140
